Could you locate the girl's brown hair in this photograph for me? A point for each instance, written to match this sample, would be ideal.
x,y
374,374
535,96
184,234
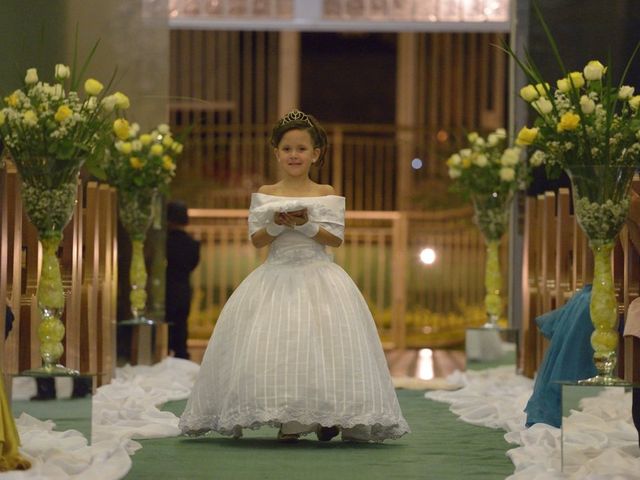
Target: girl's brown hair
x,y
297,120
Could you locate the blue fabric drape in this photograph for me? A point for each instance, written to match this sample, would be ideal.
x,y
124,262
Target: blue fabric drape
x,y
568,358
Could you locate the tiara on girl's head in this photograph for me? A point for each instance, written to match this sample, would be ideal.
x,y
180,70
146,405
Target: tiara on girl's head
x,y
296,115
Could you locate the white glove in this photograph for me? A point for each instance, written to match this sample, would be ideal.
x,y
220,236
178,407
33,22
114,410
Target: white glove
x,y
309,229
274,229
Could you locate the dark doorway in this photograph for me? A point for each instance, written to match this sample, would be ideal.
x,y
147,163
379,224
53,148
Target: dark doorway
x,y
349,77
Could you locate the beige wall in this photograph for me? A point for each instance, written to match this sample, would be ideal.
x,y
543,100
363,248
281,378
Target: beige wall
x,y
41,33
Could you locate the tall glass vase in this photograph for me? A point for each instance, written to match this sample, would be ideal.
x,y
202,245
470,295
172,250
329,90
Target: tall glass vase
x,y
492,218
136,214
49,208
601,204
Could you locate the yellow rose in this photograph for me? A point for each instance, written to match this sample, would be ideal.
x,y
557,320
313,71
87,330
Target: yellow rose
x,y
576,79
145,139
594,70
167,141
125,147
121,128
507,174
542,89
569,121
62,113
529,93
563,85
93,87
526,136
156,149
30,118
177,147
634,102
466,162
122,101
2,118
12,100
625,92
136,163
167,163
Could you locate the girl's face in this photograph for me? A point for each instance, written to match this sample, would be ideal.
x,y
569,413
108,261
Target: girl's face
x,y
295,153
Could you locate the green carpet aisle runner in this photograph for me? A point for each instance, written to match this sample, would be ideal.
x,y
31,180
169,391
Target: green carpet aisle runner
x,y
440,447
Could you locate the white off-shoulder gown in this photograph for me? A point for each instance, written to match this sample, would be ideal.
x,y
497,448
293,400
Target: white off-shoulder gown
x,y
296,342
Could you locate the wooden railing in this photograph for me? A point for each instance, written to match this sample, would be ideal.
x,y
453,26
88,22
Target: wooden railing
x,y
559,262
222,165
413,304
89,273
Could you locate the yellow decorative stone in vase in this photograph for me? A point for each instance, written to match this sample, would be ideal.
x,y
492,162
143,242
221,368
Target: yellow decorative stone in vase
x,y
136,214
492,218
601,204
49,208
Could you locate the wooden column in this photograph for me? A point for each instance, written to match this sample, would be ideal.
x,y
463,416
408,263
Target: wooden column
x,y
288,72
406,93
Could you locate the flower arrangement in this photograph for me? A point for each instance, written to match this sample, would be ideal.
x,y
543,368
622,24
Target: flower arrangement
x,y
141,163
590,128
50,132
583,121
488,169
140,166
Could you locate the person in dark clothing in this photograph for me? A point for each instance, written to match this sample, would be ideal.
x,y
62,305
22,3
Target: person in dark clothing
x,y
183,255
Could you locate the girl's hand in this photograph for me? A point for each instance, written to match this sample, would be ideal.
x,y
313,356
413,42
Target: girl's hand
x,y
299,217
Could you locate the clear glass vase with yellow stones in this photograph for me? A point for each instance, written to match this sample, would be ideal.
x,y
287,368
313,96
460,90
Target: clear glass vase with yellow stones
x,y
492,218
601,204
136,214
49,208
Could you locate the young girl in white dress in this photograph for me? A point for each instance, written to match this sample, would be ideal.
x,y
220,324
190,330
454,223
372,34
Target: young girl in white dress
x,y
295,346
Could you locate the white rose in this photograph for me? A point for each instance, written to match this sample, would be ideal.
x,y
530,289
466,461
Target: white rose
x,y
454,173
594,70
479,142
587,105
92,103
537,158
31,77
507,174
543,105
134,128
62,71
454,160
501,133
493,139
510,157
626,92
465,152
163,128
57,91
136,145
634,102
481,160
109,103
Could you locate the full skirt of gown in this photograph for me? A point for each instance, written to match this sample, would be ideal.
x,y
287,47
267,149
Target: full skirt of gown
x,y
295,342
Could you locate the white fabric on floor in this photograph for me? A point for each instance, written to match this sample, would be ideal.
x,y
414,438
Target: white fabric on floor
x,y
125,409
604,442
